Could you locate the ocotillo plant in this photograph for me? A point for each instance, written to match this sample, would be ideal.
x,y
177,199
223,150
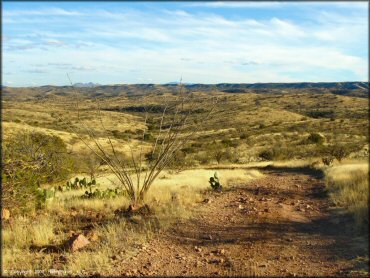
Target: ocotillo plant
x,y
177,120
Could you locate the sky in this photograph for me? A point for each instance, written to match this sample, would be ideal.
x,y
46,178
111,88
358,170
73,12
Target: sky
x,y
202,42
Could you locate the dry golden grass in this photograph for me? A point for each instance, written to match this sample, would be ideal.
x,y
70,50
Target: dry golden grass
x,y
116,238
19,236
349,187
72,141
23,232
172,196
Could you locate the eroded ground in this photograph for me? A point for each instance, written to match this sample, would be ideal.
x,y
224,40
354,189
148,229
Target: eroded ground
x,y
283,224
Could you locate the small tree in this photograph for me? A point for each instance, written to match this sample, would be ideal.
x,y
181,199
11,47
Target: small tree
x,y
29,160
340,152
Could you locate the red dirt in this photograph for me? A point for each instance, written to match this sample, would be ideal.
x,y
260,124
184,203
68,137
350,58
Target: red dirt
x,y
280,225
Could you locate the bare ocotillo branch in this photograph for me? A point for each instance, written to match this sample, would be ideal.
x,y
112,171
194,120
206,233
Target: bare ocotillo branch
x,y
178,122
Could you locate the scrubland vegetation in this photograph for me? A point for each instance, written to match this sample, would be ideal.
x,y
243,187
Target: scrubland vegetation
x,y
348,185
45,146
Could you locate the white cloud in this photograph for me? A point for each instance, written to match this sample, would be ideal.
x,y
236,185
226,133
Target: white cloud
x,y
163,45
42,12
236,4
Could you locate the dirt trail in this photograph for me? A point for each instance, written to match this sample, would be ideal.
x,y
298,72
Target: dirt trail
x,y
280,225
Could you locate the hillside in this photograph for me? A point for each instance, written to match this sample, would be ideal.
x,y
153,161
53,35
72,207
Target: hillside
x,y
357,89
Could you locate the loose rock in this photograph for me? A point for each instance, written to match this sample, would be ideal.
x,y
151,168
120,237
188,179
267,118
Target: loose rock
x,y
78,242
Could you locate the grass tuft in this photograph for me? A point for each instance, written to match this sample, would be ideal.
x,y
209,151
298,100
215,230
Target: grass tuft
x,y
348,185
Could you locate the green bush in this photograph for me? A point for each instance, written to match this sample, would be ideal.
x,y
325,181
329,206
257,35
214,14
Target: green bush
x,y
148,137
243,136
340,151
30,160
277,153
315,138
266,155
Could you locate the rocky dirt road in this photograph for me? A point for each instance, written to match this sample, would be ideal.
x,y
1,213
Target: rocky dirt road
x,y
281,225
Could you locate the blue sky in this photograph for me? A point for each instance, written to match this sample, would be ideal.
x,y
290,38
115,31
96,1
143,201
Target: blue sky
x,y
204,42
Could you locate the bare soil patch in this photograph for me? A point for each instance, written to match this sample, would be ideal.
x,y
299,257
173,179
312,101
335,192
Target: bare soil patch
x,y
280,225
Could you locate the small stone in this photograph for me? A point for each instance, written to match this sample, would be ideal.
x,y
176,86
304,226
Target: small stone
x,y
216,261
5,214
289,239
266,210
73,213
240,207
207,201
78,242
263,265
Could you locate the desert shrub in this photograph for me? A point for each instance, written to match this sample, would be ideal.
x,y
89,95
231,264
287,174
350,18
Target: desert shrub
x,y
230,143
327,160
203,157
244,136
277,153
232,155
321,114
338,151
217,151
119,135
28,161
226,142
188,150
315,138
266,154
148,137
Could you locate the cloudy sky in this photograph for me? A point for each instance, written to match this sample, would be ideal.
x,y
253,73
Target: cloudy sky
x,y
204,42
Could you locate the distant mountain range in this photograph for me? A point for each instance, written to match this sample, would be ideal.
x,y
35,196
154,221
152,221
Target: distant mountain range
x,y
86,85
300,85
90,89
231,86
353,85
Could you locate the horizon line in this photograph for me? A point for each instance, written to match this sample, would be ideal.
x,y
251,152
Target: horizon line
x,y
178,83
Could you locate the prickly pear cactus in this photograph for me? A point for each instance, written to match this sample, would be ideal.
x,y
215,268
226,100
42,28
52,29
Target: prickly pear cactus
x,y
215,183
77,184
